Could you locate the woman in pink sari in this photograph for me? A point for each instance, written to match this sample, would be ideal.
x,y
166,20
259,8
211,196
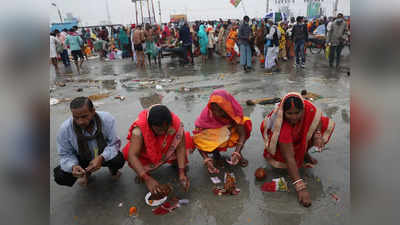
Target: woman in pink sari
x,y
221,125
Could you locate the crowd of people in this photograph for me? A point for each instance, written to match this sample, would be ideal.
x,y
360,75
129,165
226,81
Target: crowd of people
x,y
252,40
88,140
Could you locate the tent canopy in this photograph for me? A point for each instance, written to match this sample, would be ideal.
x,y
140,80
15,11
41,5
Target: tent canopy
x,y
61,26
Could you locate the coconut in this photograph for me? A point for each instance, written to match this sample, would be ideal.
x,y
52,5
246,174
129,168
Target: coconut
x,y
260,174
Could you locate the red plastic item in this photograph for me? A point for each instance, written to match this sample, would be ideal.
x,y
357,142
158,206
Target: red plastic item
x,y
269,187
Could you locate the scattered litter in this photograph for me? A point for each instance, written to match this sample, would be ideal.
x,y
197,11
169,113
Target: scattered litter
x,y
93,57
159,87
215,180
263,101
148,101
310,96
122,98
79,90
60,84
54,101
335,197
98,96
277,184
120,204
184,201
132,211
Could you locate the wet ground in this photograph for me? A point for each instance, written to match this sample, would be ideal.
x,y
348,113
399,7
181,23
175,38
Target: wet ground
x,y
185,90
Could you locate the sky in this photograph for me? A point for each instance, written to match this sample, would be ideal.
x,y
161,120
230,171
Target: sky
x,y
91,12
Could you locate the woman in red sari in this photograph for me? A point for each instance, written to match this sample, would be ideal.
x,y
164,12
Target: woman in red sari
x,y
289,131
157,137
221,125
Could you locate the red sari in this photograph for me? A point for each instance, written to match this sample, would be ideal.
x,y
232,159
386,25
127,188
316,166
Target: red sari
x,y
275,129
158,150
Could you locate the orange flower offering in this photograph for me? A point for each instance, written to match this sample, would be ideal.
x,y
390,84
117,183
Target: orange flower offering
x,y
132,211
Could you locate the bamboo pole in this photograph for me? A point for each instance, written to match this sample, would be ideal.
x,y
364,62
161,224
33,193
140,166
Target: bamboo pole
x,y
154,14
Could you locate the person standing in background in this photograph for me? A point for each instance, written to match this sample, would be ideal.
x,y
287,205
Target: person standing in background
x,y
244,42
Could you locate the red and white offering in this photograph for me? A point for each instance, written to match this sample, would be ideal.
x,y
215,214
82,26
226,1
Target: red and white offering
x,y
170,206
277,184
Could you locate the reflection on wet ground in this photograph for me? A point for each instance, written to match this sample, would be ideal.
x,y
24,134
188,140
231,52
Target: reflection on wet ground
x,y
185,90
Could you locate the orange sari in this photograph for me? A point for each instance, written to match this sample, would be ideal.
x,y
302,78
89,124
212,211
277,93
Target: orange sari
x,y
213,133
302,132
231,40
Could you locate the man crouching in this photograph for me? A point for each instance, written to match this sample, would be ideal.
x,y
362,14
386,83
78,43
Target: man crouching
x,y
86,142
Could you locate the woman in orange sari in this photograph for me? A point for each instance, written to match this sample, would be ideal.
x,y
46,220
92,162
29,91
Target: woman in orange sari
x,y
289,131
230,45
221,125
156,137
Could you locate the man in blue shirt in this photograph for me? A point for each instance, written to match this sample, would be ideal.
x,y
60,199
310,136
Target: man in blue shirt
x,y
75,43
186,37
244,41
86,142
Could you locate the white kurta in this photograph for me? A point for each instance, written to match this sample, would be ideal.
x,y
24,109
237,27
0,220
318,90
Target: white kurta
x,y
53,51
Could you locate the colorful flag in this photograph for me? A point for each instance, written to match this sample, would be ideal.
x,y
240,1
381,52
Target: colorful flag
x,y
235,2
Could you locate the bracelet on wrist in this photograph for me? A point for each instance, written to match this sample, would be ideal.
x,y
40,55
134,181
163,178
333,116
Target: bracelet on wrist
x,y
297,181
300,185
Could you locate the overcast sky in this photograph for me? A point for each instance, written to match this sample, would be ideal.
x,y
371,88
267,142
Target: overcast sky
x,y
123,11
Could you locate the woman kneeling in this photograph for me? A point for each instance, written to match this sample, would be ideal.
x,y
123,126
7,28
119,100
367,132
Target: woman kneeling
x,y
289,131
221,125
